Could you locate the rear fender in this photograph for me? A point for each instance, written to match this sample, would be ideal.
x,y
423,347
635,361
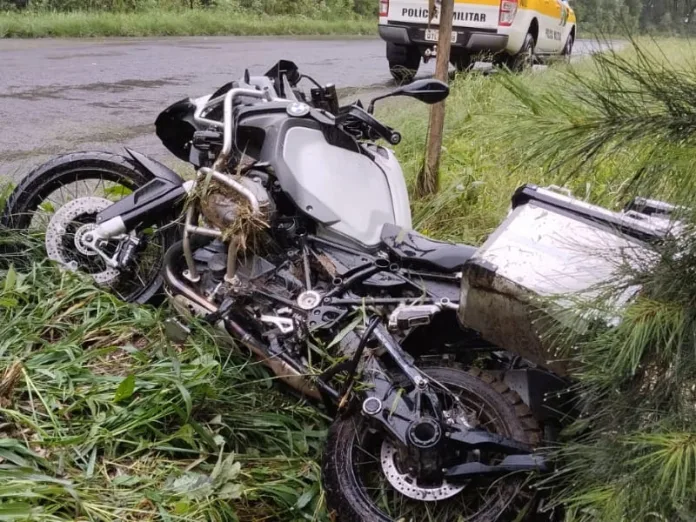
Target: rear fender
x,y
155,167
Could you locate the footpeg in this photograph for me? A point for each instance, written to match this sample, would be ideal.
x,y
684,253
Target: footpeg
x,y
405,317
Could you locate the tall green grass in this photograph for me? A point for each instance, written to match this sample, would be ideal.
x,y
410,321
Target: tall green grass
x,y
196,22
103,418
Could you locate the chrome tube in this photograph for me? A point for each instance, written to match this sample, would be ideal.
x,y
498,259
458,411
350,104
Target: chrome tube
x,y
227,123
227,113
176,285
204,231
233,184
231,261
192,274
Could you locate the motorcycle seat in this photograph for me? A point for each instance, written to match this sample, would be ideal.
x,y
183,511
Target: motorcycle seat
x,y
417,250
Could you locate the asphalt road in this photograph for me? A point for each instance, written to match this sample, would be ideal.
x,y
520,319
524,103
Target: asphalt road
x,y
65,95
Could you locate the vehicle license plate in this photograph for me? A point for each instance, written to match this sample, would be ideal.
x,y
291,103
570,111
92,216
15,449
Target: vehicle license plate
x,y
433,35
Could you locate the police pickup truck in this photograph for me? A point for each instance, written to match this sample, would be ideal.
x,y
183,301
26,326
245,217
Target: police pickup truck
x,y
513,33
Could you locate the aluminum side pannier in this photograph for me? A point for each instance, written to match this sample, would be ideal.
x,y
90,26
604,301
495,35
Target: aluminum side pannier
x,y
552,251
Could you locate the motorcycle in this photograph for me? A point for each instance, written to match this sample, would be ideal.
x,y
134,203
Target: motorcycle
x,y
294,239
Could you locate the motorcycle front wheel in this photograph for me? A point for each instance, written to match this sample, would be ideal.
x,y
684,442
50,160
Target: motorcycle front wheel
x,y
356,464
57,203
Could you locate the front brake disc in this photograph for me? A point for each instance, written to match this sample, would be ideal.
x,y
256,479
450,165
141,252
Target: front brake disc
x,y
62,220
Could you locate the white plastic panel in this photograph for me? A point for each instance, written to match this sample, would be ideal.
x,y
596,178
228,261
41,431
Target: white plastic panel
x,y
475,15
350,185
397,186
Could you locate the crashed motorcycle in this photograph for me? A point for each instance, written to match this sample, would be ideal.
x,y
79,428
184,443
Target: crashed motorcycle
x,y
294,239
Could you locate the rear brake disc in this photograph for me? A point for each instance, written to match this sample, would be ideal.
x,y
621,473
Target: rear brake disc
x,y
407,485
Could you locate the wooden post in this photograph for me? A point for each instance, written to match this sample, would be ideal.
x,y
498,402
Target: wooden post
x,y
428,178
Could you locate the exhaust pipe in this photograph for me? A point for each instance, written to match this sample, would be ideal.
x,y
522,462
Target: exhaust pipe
x,y
281,365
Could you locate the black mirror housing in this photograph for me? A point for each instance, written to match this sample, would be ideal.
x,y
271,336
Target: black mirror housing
x,y
427,90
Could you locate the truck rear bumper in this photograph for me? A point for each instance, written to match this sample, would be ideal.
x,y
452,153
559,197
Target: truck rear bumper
x,y
471,40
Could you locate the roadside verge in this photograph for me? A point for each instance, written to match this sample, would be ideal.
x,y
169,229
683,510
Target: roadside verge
x,y
196,22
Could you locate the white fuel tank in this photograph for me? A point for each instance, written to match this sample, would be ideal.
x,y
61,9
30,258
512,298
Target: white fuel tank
x,y
344,190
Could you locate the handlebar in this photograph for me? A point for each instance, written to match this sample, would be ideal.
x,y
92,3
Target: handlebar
x,y
352,119
367,124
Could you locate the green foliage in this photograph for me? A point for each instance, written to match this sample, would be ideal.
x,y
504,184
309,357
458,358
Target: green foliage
x,y
102,418
194,22
633,456
309,8
81,18
630,16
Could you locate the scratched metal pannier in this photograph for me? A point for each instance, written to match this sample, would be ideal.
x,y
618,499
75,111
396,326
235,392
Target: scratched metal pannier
x,y
552,251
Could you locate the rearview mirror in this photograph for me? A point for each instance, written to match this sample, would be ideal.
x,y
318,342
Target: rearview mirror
x,y
427,91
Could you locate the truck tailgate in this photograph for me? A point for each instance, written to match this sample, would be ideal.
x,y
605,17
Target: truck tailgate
x,y
470,14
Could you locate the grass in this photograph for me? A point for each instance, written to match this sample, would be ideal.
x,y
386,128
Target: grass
x,y
197,22
102,418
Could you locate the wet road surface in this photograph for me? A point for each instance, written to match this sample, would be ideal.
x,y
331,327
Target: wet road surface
x,y
65,95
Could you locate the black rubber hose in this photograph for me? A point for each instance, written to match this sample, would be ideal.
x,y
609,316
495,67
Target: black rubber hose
x,y
359,351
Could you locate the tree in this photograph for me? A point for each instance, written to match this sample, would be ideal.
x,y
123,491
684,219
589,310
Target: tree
x,y
631,456
428,178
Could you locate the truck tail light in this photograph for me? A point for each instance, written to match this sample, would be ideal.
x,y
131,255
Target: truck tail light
x,y
508,10
383,7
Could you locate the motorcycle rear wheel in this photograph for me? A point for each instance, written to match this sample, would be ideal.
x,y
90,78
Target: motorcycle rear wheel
x,y
97,175
351,462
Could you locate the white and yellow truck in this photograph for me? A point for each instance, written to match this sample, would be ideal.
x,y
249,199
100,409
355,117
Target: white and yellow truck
x,y
514,33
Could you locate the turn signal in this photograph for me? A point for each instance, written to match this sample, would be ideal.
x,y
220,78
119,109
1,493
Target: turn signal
x,y
508,10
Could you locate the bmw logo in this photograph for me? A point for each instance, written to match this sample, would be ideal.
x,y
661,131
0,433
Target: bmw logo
x,y
298,109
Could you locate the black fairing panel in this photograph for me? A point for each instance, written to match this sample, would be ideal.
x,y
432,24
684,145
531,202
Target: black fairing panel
x,y
161,195
416,249
175,127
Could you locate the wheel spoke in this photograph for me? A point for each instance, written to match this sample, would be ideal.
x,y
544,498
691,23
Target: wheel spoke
x,y
38,213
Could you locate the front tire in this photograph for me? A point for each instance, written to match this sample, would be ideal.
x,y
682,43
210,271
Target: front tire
x,y
404,61
83,175
348,474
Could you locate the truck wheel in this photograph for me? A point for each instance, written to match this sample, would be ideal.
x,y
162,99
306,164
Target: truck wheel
x,y
404,61
568,48
525,58
462,61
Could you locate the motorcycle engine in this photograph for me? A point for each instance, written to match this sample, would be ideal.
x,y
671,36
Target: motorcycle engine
x,y
225,209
